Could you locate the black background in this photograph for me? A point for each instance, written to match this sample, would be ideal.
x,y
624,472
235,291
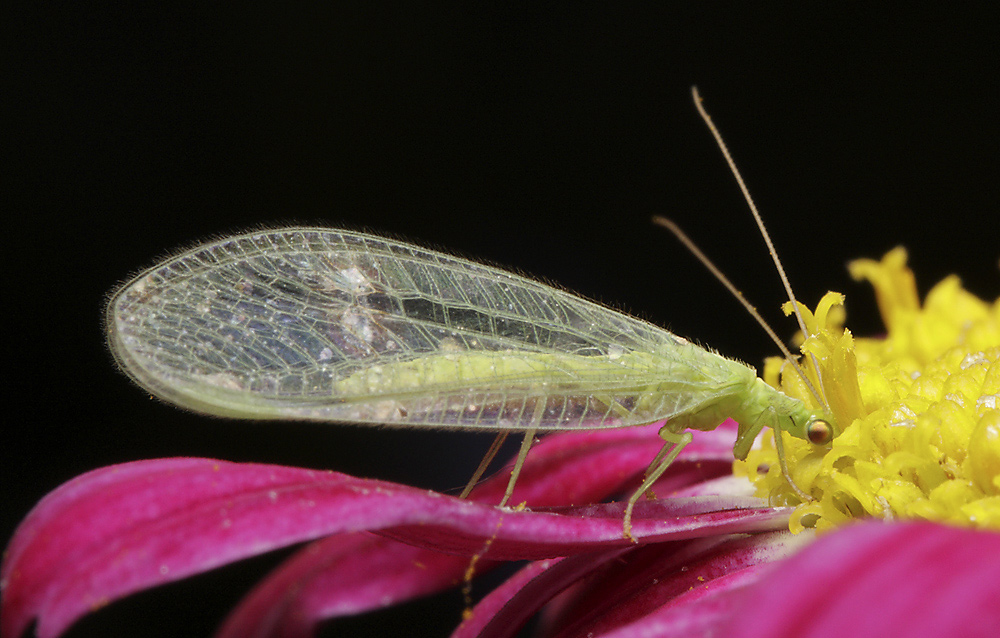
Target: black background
x,y
538,138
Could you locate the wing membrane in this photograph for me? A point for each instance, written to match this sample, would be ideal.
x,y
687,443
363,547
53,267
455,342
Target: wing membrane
x,y
309,323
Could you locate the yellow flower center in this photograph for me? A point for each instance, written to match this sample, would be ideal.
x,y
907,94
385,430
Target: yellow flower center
x,y
919,409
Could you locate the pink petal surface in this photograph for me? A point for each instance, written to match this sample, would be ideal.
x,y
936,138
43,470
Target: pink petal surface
x,y
340,576
686,591
346,575
573,467
496,615
698,612
635,587
130,527
876,579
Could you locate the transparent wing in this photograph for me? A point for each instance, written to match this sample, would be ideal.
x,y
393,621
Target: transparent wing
x,y
309,323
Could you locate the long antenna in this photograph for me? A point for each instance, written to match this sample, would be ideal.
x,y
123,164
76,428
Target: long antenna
x,y
712,268
770,248
670,225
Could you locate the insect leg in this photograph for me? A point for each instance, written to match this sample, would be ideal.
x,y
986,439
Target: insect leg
x,y
522,454
529,438
674,443
614,407
485,463
779,446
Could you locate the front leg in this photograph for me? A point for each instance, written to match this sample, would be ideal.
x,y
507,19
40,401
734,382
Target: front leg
x,y
745,439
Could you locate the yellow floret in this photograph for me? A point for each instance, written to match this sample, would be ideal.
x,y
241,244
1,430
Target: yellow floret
x,y
920,409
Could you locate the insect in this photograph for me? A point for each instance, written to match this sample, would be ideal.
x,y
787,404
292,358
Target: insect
x,y
334,325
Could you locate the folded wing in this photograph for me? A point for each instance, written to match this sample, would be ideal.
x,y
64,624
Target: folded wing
x,y
320,324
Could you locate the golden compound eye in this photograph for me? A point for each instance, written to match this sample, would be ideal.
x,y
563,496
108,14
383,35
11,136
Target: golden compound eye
x,y
819,432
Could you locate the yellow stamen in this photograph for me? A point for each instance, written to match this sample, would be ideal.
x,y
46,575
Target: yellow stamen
x,y
920,409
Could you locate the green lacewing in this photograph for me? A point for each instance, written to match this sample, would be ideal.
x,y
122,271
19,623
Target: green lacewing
x,y
342,326
333,325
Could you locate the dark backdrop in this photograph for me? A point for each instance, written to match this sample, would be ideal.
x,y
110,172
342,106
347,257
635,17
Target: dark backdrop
x,y
538,138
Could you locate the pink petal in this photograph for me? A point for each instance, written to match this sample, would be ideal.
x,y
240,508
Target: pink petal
x,y
339,576
642,587
317,583
727,485
696,613
564,467
498,615
130,527
531,535
877,579
689,594
334,578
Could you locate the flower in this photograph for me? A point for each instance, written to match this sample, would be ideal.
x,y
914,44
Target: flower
x,y
922,404
920,444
